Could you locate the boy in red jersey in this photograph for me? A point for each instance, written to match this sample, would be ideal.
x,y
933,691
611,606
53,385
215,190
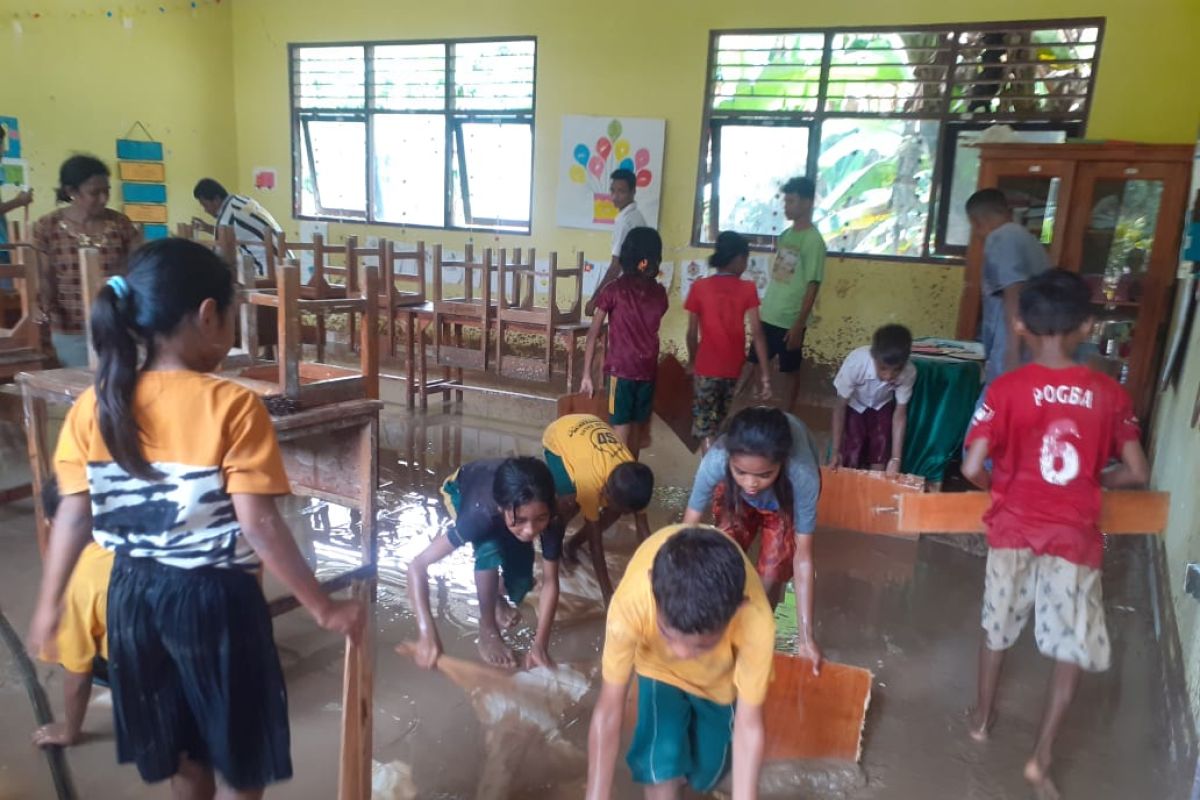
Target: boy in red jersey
x,y
1050,429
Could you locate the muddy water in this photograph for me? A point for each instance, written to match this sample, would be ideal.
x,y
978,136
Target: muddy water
x,y
906,610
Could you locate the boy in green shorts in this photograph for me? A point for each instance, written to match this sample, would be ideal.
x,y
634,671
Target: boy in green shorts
x,y
597,475
796,276
634,306
691,620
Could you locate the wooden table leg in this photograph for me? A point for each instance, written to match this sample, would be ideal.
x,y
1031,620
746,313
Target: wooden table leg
x,y
39,460
358,687
410,364
423,363
572,345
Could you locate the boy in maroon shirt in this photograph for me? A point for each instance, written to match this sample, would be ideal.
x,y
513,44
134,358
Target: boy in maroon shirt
x,y
634,305
719,308
1050,429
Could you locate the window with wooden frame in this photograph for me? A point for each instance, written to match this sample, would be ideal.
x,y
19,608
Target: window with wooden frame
x,y
884,120
435,134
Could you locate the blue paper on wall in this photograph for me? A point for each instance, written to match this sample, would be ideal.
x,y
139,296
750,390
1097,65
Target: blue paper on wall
x,y
12,137
143,192
132,150
151,232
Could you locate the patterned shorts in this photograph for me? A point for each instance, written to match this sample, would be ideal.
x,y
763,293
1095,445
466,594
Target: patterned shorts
x,y
710,404
1064,597
777,547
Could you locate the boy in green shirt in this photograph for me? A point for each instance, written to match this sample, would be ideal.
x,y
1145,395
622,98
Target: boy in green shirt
x,y
796,276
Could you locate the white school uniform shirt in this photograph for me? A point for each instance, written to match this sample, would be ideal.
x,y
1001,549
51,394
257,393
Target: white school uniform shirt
x,y
627,219
250,221
859,384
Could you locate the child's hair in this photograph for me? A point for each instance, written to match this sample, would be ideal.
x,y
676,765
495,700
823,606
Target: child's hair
x,y
801,187
50,497
74,172
1055,302
699,580
523,480
168,280
892,344
988,202
731,245
630,486
765,432
625,175
641,252
209,189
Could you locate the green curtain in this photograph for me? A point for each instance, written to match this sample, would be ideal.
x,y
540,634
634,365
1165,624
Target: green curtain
x,y
942,404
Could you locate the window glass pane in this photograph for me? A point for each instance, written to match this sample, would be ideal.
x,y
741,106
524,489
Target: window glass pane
x,y
874,184
495,166
965,179
338,152
754,161
767,72
409,153
1024,72
409,77
329,77
494,75
894,73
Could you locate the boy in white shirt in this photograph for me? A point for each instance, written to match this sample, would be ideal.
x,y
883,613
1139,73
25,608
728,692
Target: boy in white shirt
x,y
622,188
874,386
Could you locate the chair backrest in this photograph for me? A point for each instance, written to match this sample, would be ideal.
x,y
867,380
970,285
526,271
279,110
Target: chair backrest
x,y
23,272
524,275
474,272
403,274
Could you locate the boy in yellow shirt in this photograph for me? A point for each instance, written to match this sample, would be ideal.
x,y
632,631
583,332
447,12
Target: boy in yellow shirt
x,y
594,473
82,634
690,618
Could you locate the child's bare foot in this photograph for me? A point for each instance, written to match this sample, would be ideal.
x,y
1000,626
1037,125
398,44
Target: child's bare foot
x,y
55,734
1038,776
978,727
494,651
507,616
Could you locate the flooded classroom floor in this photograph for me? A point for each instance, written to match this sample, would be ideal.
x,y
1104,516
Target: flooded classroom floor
x,y
907,610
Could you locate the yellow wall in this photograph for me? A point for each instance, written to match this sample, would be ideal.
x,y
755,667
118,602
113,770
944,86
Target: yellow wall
x,y
78,80
1176,467
637,58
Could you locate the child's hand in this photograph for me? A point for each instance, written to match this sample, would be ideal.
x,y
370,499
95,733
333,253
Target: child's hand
x,y
794,338
344,617
427,652
43,634
764,389
538,657
893,467
24,198
585,386
809,651
835,459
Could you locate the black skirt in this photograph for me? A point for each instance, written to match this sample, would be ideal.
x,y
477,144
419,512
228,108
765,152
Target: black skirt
x,y
194,672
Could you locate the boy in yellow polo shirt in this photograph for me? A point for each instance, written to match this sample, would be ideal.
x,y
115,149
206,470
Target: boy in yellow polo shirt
x,y
597,475
82,634
690,618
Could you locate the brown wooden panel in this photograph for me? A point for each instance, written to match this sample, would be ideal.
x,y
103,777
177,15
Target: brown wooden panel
x,y
673,400
962,512
579,403
863,500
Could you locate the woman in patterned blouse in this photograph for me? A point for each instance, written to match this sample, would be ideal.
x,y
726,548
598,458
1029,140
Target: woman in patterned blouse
x,y
86,222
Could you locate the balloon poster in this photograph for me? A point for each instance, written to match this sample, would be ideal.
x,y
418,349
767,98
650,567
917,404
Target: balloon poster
x,y
595,147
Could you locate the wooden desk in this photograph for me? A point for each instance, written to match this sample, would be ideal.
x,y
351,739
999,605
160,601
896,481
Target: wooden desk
x,y
330,453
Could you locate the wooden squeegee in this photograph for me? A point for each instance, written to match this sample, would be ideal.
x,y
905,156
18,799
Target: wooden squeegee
x,y
871,502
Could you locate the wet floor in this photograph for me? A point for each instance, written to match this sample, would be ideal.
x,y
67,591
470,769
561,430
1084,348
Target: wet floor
x,y
907,610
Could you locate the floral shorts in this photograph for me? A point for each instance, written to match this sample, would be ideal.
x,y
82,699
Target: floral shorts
x,y
1064,598
710,404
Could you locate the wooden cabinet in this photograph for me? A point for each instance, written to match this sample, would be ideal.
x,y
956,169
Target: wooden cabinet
x,y
1111,212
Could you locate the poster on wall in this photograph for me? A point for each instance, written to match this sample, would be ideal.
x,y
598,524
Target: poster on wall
x,y
689,273
758,269
12,137
592,149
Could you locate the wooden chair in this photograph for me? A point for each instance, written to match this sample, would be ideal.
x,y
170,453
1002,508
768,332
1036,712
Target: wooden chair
x,y
21,341
307,383
527,316
455,310
402,282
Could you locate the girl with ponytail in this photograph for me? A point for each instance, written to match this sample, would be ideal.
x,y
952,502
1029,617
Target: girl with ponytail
x,y
176,471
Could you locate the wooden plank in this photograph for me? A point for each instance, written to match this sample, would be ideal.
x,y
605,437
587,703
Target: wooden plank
x,y
289,331
286,603
91,277
863,500
806,716
673,400
1122,512
579,403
